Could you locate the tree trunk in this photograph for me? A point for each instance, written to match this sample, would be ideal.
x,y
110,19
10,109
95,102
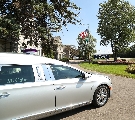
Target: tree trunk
x,y
115,54
89,58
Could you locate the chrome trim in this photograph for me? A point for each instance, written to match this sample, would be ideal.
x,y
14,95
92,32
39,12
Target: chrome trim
x,y
4,94
52,112
37,116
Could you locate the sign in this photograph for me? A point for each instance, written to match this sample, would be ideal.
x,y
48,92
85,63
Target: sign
x,y
30,51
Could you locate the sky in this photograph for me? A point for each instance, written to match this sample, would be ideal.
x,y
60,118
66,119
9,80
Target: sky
x,y
88,16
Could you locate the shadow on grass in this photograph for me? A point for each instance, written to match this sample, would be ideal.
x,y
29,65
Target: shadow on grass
x,y
69,113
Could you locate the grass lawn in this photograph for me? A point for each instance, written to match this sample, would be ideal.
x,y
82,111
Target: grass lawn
x,y
111,69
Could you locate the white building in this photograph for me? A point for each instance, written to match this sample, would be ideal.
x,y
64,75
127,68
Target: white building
x,y
59,52
5,46
21,48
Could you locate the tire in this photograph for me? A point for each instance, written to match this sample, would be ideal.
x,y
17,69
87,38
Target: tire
x,y
101,96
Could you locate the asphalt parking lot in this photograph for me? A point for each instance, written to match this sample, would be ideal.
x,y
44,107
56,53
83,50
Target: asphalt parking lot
x,y
121,106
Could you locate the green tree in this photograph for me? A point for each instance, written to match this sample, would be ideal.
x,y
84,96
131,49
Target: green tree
x,y
86,46
70,51
74,52
47,47
128,52
116,24
9,25
38,18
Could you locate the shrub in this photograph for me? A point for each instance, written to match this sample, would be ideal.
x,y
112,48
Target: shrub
x,y
131,68
118,62
123,59
64,60
95,62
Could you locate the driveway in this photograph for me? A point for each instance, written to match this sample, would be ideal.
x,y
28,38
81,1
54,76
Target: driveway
x,y
121,106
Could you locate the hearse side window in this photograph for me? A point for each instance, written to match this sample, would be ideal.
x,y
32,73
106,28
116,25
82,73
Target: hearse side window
x,y
16,74
64,72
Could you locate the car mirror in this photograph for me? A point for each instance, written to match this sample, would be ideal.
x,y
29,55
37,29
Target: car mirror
x,y
85,76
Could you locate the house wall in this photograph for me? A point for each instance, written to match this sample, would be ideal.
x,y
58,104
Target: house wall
x,y
5,46
60,47
20,47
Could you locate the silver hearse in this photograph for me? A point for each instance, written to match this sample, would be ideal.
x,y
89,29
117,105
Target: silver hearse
x,y
33,87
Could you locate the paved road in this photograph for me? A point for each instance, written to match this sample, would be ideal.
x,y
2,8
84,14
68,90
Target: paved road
x,y
121,106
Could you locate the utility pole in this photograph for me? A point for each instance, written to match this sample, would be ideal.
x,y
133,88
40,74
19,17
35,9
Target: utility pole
x,y
88,42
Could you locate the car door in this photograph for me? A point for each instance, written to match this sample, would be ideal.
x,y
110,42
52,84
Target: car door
x,y
70,88
20,95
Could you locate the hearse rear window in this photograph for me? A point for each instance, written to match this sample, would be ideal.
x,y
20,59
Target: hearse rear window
x,y
16,74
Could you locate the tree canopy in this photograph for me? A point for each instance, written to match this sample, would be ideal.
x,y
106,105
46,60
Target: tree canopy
x,y
116,24
70,51
35,19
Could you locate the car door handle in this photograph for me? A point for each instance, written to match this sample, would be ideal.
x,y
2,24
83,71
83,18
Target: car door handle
x,y
4,94
60,87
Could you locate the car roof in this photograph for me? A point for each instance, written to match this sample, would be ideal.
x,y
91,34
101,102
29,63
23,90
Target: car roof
x,y
26,59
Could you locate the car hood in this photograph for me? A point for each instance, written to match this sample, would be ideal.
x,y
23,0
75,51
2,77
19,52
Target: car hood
x,y
97,76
